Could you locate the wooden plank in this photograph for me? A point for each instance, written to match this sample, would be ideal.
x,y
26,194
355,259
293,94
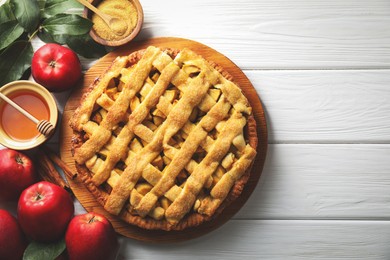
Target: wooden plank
x,y
317,181
347,106
282,34
254,239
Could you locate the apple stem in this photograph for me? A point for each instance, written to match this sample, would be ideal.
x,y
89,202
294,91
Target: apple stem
x,y
19,160
52,64
91,220
38,197
34,33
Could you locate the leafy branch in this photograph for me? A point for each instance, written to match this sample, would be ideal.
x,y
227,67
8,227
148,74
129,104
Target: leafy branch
x,y
51,21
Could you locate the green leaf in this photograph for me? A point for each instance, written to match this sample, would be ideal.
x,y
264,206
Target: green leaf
x,y
9,32
70,24
27,13
45,36
41,4
14,61
53,7
44,251
6,13
86,46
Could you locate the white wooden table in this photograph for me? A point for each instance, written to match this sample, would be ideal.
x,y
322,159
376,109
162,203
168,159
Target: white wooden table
x,y
322,71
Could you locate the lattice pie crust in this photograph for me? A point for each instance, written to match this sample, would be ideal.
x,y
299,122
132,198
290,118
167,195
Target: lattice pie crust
x,y
164,139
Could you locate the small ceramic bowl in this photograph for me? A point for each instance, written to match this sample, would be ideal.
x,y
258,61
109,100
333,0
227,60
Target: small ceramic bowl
x,y
88,14
28,88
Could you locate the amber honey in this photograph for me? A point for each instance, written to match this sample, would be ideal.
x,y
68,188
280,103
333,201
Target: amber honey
x,y
15,124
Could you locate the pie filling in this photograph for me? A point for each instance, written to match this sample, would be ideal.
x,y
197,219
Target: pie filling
x,y
162,135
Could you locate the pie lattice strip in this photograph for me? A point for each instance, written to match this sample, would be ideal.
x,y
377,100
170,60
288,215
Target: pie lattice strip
x,y
220,191
169,70
217,111
176,119
102,135
229,89
150,173
118,109
209,204
150,199
85,109
135,118
194,139
203,171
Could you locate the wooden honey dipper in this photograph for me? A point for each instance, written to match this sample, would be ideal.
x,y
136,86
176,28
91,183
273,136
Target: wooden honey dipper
x,y
44,127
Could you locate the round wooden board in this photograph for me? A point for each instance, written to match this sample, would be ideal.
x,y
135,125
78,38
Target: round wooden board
x,y
86,198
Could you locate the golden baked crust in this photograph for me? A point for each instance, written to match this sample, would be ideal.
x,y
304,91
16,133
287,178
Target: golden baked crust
x,y
164,139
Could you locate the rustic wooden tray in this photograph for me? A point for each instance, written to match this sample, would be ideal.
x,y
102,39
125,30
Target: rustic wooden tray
x,y
88,201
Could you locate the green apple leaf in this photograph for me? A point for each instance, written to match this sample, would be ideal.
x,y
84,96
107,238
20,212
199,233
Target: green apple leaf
x,y
70,24
39,251
9,32
15,60
47,37
53,7
86,46
41,4
27,13
6,13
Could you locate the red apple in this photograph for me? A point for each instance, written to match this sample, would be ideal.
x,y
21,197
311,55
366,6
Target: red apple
x,y
12,240
56,67
17,172
44,211
91,236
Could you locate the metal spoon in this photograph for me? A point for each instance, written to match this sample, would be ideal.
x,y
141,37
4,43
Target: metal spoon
x,y
43,126
108,19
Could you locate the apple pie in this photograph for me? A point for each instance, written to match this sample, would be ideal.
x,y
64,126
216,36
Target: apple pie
x,y
164,139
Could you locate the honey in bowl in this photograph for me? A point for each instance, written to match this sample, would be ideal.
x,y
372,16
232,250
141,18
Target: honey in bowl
x,y
16,130
16,125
